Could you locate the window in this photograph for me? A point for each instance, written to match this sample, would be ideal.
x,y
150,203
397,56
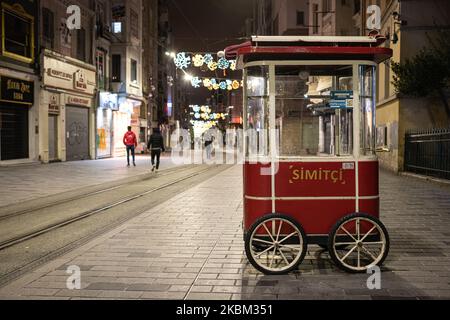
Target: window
x,y
143,111
367,100
142,134
117,27
133,76
314,110
315,19
300,18
118,13
116,68
48,27
326,7
382,134
81,42
357,7
257,139
18,39
101,75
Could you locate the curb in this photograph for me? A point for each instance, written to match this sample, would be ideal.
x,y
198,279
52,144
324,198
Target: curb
x,y
426,178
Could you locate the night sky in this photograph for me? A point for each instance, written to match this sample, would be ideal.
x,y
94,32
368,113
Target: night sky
x,y
204,25
207,26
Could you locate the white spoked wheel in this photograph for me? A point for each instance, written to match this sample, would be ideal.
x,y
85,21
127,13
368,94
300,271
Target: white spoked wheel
x,y
275,244
357,242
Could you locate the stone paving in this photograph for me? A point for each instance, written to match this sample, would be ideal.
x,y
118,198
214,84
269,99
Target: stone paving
x,y
26,182
191,247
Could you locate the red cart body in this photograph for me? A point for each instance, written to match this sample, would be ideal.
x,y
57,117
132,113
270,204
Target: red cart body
x,y
310,170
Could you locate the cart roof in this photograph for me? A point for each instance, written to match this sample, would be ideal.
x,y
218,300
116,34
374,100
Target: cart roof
x,y
309,48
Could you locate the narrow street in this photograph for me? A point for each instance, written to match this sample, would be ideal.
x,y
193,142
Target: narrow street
x,y
186,243
228,151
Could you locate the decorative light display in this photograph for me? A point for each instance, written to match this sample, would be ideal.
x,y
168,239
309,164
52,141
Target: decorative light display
x,y
203,119
198,60
216,84
182,60
223,63
207,58
195,82
212,65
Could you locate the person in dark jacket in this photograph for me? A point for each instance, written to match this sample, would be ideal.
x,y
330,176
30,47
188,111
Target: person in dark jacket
x,y
155,145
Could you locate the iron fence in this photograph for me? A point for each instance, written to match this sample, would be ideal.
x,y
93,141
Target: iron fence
x,y
428,152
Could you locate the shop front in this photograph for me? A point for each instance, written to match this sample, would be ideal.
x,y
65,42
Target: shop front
x,y
108,105
16,101
128,114
67,98
77,127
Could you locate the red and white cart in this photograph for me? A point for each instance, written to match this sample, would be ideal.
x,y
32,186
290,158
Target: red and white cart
x,y
310,171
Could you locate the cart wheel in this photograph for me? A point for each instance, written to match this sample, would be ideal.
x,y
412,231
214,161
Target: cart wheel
x,y
357,242
275,244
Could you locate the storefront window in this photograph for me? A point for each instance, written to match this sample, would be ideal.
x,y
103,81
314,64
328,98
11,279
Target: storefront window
x,y
314,110
367,100
17,41
257,111
101,74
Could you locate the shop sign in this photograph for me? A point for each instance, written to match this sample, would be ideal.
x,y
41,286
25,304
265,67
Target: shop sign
x,y
75,78
79,101
16,90
341,94
80,81
109,100
341,99
53,106
60,74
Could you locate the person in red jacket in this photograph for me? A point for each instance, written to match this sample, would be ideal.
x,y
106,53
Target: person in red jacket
x,y
130,141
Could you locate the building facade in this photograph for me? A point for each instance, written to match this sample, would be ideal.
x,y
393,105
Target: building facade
x,y
290,17
67,98
19,86
332,17
106,100
126,73
150,62
407,25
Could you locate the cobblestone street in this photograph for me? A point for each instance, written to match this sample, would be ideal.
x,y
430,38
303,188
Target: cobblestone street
x,y
191,247
22,183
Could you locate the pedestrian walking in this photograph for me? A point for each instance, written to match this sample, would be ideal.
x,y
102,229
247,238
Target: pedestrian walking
x,y
130,142
155,145
208,144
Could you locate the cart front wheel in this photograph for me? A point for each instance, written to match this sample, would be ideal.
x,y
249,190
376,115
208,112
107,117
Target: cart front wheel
x,y
275,244
358,242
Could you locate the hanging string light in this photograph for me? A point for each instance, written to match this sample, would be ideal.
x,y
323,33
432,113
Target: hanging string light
x,y
183,60
214,83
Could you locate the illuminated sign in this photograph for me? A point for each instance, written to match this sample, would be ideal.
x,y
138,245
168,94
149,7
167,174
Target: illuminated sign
x,y
16,90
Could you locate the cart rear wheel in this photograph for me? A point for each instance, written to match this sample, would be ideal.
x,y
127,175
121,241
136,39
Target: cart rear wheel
x,y
357,242
275,244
